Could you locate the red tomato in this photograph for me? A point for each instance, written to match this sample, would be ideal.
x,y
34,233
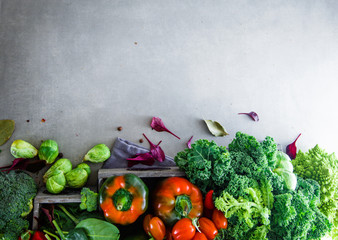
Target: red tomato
x,y
154,227
208,228
183,230
220,221
199,236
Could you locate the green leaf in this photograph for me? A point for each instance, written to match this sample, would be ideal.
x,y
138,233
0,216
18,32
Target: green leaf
x,y
77,234
99,230
6,130
216,128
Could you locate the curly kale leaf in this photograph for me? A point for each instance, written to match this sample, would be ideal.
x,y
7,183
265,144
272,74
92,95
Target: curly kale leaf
x,y
205,164
295,215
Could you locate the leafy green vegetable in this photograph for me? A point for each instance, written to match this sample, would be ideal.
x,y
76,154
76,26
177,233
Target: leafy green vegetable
x,y
204,161
88,200
56,183
252,211
17,190
6,130
23,149
97,229
295,214
48,151
260,203
76,234
99,153
322,167
76,178
216,128
64,165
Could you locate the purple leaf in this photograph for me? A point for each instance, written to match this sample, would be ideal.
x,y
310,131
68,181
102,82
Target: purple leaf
x,y
253,115
158,125
31,165
156,151
189,142
49,213
18,163
291,149
143,158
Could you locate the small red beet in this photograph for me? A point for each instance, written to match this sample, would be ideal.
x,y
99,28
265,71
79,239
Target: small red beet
x,y
291,149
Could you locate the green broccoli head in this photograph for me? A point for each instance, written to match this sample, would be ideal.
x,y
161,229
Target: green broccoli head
x,y
88,200
17,190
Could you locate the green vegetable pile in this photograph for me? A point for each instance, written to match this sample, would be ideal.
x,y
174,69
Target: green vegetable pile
x,y
322,167
256,188
17,191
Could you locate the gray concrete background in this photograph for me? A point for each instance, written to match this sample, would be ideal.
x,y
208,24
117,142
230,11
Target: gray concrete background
x,y
88,67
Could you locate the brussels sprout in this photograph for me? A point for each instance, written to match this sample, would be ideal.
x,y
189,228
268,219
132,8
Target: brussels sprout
x,y
85,167
98,153
48,151
56,183
64,165
76,178
22,149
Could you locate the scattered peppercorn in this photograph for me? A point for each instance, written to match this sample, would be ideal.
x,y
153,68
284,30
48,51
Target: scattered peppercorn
x,y
119,128
135,43
27,120
141,140
43,120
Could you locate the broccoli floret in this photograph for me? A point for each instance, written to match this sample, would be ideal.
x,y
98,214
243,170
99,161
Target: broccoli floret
x,y
88,200
17,191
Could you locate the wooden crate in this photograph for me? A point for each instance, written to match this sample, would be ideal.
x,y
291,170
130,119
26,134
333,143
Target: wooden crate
x,y
43,197
146,173
75,197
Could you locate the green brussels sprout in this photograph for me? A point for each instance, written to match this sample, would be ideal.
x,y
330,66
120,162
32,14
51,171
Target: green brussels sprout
x,y
76,178
23,149
85,166
64,165
97,154
48,151
56,183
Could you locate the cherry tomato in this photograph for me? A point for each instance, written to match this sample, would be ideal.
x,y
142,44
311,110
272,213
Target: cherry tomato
x,y
208,228
154,227
220,221
199,236
183,230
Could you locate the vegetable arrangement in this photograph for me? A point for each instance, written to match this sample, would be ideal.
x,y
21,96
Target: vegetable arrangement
x,y
248,190
256,189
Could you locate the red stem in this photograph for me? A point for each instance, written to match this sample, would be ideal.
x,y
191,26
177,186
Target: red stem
x,y
297,138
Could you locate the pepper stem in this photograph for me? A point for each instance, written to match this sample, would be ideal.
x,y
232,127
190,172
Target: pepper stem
x,y
122,199
183,205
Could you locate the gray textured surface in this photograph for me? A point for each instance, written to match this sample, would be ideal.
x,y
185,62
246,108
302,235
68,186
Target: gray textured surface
x,y
88,67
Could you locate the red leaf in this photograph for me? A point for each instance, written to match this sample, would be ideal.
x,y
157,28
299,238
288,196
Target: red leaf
x,y
143,158
291,149
31,165
189,142
253,115
158,125
18,163
156,151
